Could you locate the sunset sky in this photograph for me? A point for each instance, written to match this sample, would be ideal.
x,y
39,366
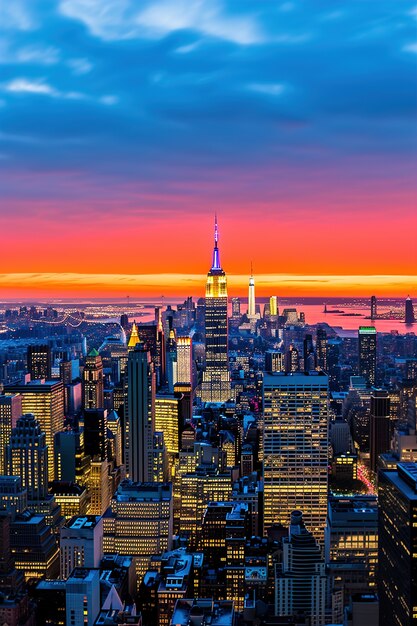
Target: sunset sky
x,y
125,125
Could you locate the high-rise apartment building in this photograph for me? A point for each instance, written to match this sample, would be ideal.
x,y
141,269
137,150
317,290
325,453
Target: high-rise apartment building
x,y
140,414
27,456
295,448
367,354
95,433
93,386
39,362
10,411
273,306
216,378
45,399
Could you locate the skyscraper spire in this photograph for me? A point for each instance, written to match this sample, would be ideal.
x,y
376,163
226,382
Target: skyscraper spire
x,y
251,295
216,254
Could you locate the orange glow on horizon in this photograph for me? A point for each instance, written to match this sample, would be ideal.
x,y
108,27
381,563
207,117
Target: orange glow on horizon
x,y
24,285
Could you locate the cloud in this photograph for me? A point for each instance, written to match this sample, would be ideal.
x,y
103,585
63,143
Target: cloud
x,y
14,14
22,85
121,19
80,67
412,47
271,89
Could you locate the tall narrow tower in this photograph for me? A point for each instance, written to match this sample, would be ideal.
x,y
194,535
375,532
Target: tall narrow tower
x,y
216,378
251,295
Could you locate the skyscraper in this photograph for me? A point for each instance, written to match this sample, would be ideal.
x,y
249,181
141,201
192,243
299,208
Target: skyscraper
x,y
27,456
10,411
39,362
141,412
93,381
367,354
379,425
321,349
397,562
184,361
251,296
273,306
216,378
409,311
295,444
373,308
46,401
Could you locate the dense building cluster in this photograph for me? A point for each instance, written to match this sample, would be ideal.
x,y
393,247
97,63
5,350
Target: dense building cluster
x,y
213,466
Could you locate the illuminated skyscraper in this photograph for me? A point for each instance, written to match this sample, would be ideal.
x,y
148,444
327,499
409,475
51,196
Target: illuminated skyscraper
x,y
39,362
379,425
216,378
373,307
295,451
235,307
321,348
251,296
141,411
46,401
367,354
10,411
184,360
27,456
409,311
93,381
273,306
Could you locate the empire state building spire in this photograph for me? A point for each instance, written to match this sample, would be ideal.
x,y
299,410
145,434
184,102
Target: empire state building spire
x,y
216,254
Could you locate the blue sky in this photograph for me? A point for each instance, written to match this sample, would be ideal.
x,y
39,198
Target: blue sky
x,y
175,105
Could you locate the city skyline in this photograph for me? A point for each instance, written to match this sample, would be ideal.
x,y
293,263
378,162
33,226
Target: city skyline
x,y
145,121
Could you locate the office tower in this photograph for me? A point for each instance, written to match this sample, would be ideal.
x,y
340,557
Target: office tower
x,y
141,414
152,335
81,543
139,522
295,450
99,487
274,361
176,582
27,456
13,497
72,465
39,362
45,399
292,360
351,544
167,420
124,321
133,338
300,581
397,563
171,361
373,308
11,580
321,349
159,459
235,307
93,381
367,354
409,311
251,296
273,306
216,378
34,547
115,438
82,597
380,425
309,354
10,411
95,433
184,361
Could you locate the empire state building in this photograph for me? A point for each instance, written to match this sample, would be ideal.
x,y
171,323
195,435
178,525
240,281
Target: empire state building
x,y
215,386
